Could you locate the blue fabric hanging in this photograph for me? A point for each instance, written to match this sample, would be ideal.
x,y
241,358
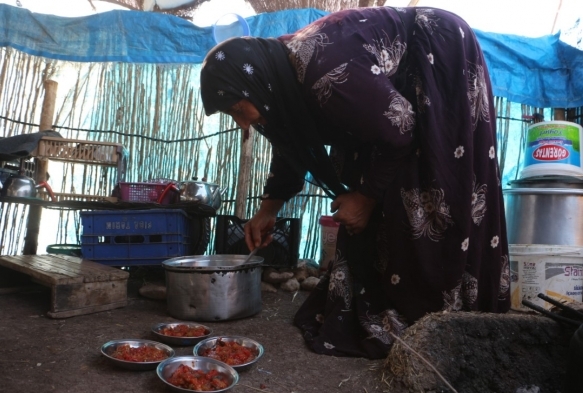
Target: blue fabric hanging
x,y
543,72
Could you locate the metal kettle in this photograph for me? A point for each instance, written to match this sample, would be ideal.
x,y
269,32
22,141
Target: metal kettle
x,y
196,191
18,186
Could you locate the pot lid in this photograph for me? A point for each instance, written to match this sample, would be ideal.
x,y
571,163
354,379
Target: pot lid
x,y
212,262
551,181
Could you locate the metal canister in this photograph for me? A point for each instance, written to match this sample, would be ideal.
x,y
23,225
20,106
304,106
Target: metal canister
x,y
545,210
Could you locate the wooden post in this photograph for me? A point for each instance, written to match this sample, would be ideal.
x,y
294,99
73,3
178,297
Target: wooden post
x,y
245,163
368,3
571,113
559,114
41,169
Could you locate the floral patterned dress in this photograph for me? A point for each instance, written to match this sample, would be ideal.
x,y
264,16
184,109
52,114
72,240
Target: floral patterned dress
x,y
403,97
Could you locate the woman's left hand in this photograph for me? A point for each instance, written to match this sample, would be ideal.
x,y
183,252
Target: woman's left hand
x,y
353,210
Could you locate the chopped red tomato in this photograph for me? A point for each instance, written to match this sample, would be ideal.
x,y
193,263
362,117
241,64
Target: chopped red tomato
x,y
138,354
184,331
230,352
188,378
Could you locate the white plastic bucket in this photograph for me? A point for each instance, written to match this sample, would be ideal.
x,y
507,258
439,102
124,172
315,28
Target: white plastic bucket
x,y
229,26
553,148
556,271
329,234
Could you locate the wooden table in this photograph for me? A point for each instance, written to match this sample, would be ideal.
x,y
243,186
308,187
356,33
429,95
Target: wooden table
x,y
78,286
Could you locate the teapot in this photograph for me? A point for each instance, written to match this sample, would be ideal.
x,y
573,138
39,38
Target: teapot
x,y
18,185
196,191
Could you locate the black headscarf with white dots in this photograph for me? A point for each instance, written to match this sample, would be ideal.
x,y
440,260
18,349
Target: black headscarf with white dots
x,y
258,70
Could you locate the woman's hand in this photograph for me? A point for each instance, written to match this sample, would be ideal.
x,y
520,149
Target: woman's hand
x,y
258,228
353,210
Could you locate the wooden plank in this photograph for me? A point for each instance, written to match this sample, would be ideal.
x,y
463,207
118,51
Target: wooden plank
x,y
90,266
55,265
78,286
41,273
74,268
62,269
86,310
52,267
82,267
78,296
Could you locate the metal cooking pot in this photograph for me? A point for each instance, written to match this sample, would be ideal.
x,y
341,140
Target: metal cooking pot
x,y
201,192
196,192
213,287
545,210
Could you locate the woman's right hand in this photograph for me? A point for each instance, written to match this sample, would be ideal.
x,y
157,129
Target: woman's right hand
x,y
258,229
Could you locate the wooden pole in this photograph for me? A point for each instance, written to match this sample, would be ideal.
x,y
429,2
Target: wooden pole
x,y
559,114
571,113
41,168
368,3
244,176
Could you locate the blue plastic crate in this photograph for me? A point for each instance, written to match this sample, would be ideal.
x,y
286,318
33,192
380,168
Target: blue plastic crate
x,y
131,254
140,222
135,237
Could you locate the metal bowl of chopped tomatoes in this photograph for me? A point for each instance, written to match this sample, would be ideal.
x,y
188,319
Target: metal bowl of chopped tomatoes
x,y
197,374
181,333
241,353
136,354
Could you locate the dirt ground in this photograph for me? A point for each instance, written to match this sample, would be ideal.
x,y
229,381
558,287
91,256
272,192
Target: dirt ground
x,y
477,353
39,354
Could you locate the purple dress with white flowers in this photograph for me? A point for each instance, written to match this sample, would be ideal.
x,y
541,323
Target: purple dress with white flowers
x,y
403,96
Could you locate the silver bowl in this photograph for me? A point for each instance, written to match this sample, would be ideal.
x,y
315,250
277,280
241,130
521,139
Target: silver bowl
x,y
109,348
180,341
169,366
244,341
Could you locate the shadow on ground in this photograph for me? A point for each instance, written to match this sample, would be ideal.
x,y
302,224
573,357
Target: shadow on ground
x,y
39,354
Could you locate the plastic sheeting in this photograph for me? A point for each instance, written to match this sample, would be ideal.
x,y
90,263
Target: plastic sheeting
x,y
542,72
128,36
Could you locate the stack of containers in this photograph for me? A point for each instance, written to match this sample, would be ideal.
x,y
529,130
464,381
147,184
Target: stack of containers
x,y
135,237
544,215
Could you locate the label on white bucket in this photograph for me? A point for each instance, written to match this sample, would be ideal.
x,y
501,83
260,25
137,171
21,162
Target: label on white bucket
x,y
328,247
553,148
552,270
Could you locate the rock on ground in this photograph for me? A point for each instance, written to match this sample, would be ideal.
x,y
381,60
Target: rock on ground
x,y
156,291
480,353
274,276
290,285
309,283
267,287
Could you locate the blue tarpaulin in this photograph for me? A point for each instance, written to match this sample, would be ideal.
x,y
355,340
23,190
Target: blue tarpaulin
x,y
542,72
129,36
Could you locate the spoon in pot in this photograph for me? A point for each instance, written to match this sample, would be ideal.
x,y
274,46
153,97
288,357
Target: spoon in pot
x,y
252,253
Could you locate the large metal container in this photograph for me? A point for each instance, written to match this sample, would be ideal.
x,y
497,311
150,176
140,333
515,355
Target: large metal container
x,y
545,210
213,287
